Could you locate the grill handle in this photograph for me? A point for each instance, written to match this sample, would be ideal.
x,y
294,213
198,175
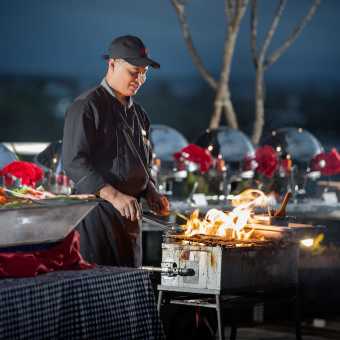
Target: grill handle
x,y
170,271
186,272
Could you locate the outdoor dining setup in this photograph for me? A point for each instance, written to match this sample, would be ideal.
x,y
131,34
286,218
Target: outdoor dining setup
x,y
236,236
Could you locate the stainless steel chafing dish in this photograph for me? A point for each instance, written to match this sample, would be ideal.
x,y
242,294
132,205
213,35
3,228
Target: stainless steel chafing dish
x,y
41,223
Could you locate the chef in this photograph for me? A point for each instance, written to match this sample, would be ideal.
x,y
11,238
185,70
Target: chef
x,y
107,152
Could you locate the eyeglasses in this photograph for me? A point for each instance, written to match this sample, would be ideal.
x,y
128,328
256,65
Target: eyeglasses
x,y
140,75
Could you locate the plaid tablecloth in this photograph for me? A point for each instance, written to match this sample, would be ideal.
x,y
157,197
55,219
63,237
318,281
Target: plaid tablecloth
x,y
102,303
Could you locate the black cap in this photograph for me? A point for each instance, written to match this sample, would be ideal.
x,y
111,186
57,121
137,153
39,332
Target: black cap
x,y
132,50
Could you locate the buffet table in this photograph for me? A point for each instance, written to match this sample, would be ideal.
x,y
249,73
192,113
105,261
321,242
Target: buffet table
x,y
101,303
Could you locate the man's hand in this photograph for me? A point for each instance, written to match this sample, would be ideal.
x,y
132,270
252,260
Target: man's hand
x,y
128,206
157,202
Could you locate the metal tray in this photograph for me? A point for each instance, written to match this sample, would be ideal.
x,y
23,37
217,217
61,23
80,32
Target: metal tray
x,y
44,222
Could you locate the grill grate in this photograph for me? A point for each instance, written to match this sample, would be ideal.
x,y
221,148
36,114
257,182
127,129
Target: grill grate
x,y
210,240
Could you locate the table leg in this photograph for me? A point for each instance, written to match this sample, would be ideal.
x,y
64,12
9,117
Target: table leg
x,y
159,302
219,318
233,332
297,300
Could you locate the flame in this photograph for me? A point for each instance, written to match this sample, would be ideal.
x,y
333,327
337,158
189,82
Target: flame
x,y
233,225
251,198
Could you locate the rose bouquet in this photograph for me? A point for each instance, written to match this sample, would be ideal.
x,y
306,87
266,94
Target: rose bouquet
x,y
21,173
328,163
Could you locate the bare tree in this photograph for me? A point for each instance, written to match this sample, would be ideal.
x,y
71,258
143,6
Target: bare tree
x,y
262,62
234,10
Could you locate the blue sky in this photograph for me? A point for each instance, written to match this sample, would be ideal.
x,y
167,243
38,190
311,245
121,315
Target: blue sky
x,y
67,37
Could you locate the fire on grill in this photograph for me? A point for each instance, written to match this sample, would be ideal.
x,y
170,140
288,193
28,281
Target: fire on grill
x,y
236,225
240,249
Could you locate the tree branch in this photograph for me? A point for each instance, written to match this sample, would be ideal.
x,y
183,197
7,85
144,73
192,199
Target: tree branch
x,y
253,25
229,8
272,29
198,62
237,14
229,46
293,36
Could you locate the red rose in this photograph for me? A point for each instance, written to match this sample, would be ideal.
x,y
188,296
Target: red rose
x,y
267,160
195,154
328,163
29,173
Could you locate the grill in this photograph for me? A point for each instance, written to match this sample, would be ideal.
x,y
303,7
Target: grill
x,y
219,265
202,265
268,259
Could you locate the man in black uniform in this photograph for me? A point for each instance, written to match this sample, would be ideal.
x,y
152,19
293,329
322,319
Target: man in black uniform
x,y
106,151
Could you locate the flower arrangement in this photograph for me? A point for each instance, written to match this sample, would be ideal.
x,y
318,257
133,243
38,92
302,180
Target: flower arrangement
x,y
197,162
267,162
26,173
328,163
271,170
195,154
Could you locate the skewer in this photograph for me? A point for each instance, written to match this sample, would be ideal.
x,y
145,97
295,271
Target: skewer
x,y
213,240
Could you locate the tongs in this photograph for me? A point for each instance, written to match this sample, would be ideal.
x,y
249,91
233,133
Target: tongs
x,y
165,223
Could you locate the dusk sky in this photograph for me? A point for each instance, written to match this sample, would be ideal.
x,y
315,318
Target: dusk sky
x,y
67,37
61,42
